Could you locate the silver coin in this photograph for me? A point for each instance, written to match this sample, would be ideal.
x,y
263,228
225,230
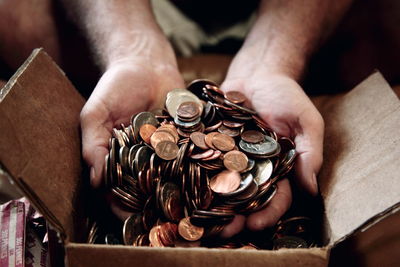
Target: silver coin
x,y
247,179
268,147
179,96
132,228
123,158
142,158
263,171
141,119
289,242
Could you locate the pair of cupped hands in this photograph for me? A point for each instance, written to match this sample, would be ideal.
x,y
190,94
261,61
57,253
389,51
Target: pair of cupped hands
x,y
140,82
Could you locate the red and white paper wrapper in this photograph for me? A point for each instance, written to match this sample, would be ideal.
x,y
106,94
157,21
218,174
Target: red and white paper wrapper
x,y
12,223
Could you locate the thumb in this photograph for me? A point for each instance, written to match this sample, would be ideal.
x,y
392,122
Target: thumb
x,y
309,146
95,135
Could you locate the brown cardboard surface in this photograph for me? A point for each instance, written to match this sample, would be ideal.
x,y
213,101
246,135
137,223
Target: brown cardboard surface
x,y
360,175
39,137
101,255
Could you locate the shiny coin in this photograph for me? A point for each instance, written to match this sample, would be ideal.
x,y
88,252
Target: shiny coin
x,y
235,97
141,119
167,150
267,147
188,231
146,131
232,132
263,171
160,136
225,182
223,142
177,97
252,136
198,139
154,237
235,161
209,140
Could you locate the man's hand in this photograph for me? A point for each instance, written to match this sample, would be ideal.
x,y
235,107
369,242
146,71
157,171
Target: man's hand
x,y
266,70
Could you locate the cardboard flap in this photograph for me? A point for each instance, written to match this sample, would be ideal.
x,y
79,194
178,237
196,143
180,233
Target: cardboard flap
x,y
360,176
39,138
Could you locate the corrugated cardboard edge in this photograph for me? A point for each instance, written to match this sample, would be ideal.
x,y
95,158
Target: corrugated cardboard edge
x,y
92,255
36,94
359,179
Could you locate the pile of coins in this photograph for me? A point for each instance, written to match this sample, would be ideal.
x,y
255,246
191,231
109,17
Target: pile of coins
x,y
186,170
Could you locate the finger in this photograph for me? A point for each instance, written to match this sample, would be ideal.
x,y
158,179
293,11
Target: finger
x,y
233,227
309,145
268,216
95,135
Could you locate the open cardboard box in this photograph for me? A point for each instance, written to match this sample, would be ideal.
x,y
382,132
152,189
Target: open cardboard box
x,y
40,149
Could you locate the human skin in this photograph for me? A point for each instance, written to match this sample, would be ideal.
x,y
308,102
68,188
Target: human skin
x,y
140,67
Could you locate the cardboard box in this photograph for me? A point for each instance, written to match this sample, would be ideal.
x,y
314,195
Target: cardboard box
x,y
40,150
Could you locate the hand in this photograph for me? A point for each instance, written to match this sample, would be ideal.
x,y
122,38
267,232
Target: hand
x,y
281,102
125,88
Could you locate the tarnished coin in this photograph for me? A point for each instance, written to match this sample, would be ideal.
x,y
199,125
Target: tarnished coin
x,y
267,147
188,110
198,139
225,182
145,132
167,150
188,231
177,97
235,97
132,228
223,142
252,136
235,161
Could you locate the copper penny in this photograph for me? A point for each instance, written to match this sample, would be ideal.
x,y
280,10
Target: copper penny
x,y
223,142
232,124
158,137
188,110
188,231
235,97
208,139
198,139
167,150
203,155
145,132
252,136
225,182
232,132
235,161
154,237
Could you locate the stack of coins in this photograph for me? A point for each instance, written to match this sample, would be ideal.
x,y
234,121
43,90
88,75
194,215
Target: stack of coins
x,y
186,170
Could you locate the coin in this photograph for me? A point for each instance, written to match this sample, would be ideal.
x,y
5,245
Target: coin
x,y
154,237
209,140
188,110
235,97
225,182
232,132
160,136
188,231
267,147
198,139
167,150
235,161
223,142
177,97
289,242
252,136
145,132
132,228
263,171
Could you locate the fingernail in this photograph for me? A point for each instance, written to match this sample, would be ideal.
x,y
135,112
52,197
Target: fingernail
x,y
315,183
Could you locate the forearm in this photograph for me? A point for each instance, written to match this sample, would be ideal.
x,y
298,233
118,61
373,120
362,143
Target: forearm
x,y
120,30
287,32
